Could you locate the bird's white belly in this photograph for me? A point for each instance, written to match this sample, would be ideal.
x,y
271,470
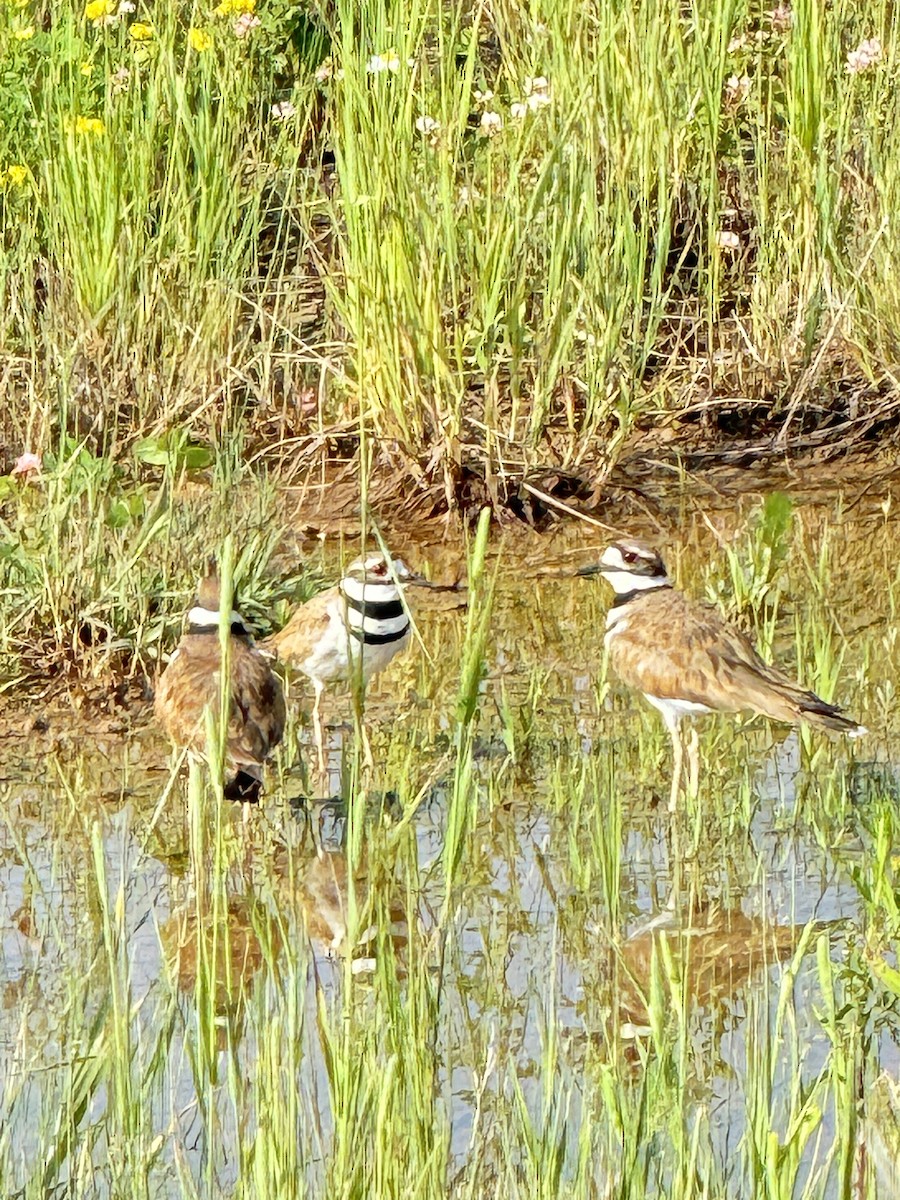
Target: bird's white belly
x,y
674,710
339,654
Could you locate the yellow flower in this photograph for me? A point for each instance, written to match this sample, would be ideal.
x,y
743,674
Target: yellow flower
x,y
233,8
92,125
17,174
98,10
141,32
199,40
86,68
22,35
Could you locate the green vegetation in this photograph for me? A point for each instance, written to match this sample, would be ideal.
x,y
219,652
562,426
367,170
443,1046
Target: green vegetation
x,y
480,988
238,239
486,235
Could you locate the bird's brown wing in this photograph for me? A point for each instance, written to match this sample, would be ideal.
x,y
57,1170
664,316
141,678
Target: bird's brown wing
x,y
191,684
678,649
295,642
257,717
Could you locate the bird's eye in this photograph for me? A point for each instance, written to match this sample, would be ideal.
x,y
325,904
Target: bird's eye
x,y
380,568
629,556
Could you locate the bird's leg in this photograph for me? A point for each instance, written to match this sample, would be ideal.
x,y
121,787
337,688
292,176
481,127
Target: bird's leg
x,y
677,762
368,759
359,712
317,732
693,749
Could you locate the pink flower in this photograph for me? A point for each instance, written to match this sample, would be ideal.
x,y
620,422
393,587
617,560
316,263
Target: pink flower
x,y
27,464
866,55
244,24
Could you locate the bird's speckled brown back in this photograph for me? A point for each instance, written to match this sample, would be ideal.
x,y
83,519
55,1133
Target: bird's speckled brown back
x,y
666,645
190,684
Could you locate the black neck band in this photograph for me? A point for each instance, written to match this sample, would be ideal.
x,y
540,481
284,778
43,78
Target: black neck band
x,y
378,610
237,630
626,597
377,639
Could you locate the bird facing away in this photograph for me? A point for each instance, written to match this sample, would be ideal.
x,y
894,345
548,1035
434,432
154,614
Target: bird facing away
x,y
687,660
190,685
348,633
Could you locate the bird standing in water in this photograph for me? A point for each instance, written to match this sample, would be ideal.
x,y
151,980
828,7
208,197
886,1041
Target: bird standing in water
x,y
687,660
348,633
191,685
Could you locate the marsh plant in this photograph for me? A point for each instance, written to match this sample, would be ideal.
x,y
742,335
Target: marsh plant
x,y
481,978
461,228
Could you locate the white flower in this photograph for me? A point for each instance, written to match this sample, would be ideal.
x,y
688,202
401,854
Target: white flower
x,y
517,110
383,62
537,92
483,97
737,43
120,80
782,18
491,123
726,240
283,110
737,88
125,6
325,70
866,54
427,125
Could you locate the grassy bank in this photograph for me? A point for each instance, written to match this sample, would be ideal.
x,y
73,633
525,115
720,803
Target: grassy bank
x,y
481,236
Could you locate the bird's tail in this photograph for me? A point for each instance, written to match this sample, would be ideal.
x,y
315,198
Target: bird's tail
x,y
828,716
770,692
245,786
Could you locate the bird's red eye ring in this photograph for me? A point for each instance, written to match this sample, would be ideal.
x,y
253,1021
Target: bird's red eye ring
x,y
629,556
380,569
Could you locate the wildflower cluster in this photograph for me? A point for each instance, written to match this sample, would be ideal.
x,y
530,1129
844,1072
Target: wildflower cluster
x,y
15,176
536,96
737,89
90,126
107,12
866,55
388,61
283,111
780,21
243,16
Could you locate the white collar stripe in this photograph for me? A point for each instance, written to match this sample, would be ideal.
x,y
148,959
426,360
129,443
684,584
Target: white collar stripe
x,y
209,617
368,593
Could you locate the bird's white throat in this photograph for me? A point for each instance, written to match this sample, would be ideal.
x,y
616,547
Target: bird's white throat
x,y
208,617
369,593
624,581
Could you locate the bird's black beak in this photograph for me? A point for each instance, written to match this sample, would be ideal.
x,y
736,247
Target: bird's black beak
x,y
422,582
590,569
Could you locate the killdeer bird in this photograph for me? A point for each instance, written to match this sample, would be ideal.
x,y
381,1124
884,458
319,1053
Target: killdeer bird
x,y
190,685
687,660
348,633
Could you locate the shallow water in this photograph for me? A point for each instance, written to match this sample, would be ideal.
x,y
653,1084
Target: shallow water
x,y
576,885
